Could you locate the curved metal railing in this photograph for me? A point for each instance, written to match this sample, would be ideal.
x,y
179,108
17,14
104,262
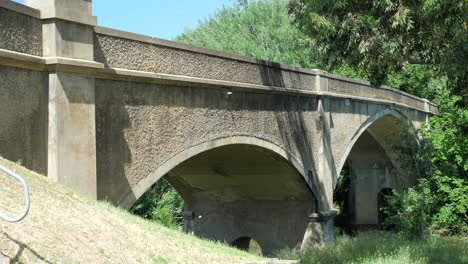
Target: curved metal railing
x,y
26,197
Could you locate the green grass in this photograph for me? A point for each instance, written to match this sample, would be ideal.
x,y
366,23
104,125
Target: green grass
x,y
66,227
385,247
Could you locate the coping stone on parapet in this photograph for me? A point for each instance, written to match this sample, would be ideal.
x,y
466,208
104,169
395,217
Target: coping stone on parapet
x,y
383,87
19,8
182,46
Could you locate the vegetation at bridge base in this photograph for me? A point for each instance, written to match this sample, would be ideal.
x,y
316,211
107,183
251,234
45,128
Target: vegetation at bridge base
x,y
161,203
384,248
438,203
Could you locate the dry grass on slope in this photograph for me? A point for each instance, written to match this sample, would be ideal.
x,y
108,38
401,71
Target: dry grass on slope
x,y
64,227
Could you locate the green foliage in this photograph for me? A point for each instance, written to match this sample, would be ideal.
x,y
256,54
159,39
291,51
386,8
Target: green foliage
x,y
448,154
381,37
385,248
340,194
259,29
161,203
439,202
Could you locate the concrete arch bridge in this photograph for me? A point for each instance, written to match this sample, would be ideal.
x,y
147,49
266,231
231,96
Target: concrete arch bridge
x,y
255,148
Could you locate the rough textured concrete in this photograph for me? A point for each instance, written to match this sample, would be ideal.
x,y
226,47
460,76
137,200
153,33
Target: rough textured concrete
x,y
238,172
20,32
239,191
373,169
130,54
134,139
320,229
362,89
375,164
273,224
347,119
23,116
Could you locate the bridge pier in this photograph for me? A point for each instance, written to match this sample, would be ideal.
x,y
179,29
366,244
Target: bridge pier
x,y
273,224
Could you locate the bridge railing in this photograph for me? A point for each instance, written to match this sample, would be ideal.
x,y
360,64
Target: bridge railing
x,y
26,197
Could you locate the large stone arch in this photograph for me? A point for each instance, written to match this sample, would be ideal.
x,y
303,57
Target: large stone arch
x,y
363,128
267,198
139,189
374,163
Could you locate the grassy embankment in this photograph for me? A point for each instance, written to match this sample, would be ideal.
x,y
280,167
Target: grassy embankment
x,y
386,248
65,227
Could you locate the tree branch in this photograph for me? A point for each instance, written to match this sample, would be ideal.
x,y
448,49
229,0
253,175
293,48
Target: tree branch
x,y
408,60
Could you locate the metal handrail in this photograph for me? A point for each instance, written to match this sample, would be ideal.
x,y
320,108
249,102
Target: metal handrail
x,y
26,197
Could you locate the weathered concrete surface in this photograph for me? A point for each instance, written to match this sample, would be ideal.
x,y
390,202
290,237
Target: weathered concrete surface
x,y
20,32
72,140
347,119
320,228
71,115
23,117
68,39
372,169
239,191
132,142
118,52
348,86
273,224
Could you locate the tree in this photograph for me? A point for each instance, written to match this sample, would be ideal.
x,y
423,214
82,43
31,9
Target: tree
x,y
243,2
382,37
259,29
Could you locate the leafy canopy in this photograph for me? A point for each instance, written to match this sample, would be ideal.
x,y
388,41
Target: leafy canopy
x,y
381,37
258,29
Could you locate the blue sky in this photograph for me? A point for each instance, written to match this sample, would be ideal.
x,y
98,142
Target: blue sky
x,y
157,18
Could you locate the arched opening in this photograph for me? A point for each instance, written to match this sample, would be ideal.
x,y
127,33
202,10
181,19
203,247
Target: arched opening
x,y
248,244
235,189
382,202
374,163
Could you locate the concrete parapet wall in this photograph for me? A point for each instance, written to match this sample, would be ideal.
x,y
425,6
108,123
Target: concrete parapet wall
x,y
347,86
20,28
118,49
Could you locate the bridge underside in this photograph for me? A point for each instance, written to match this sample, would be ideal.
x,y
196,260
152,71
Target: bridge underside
x,y
376,165
240,191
